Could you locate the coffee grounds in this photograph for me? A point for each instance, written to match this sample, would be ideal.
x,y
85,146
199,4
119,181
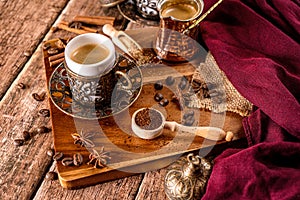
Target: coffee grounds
x,y
148,119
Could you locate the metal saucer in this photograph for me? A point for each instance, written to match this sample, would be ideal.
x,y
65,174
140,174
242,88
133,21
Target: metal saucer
x,y
61,96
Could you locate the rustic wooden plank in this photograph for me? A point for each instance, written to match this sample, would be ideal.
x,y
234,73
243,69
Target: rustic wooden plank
x,y
152,186
23,26
126,189
21,168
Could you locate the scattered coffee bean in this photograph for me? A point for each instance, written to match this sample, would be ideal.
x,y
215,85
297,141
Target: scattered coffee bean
x,y
52,51
38,97
77,159
18,142
42,129
50,153
158,97
51,176
183,83
46,46
21,86
189,121
170,80
26,135
27,53
188,114
214,93
164,102
158,85
68,161
58,156
44,112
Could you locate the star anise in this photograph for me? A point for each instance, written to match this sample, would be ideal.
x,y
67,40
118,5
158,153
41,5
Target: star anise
x,y
83,139
99,158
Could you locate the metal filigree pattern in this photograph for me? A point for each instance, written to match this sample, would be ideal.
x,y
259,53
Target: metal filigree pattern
x,y
99,158
148,9
122,98
186,179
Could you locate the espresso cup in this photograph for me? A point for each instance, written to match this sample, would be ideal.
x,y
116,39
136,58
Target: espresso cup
x,y
95,53
90,62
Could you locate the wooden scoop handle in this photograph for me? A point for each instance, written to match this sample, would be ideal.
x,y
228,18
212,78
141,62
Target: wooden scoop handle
x,y
109,30
211,133
121,39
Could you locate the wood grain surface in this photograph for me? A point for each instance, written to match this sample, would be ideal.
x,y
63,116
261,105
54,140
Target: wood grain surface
x,y
24,25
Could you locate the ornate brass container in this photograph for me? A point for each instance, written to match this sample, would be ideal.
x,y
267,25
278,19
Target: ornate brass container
x,y
186,178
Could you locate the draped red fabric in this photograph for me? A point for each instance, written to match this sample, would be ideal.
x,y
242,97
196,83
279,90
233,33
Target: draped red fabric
x,y
256,44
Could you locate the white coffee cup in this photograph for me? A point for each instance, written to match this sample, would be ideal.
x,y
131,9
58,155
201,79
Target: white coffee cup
x,y
94,69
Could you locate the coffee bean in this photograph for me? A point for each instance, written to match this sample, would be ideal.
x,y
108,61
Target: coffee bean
x,y
58,156
52,51
164,102
170,80
188,114
44,112
46,46
50,152
68,161
51,176
158,97
189,121
26,135
42,129
18,142
158,85
38,97
27,53
182,85
77,159
21,86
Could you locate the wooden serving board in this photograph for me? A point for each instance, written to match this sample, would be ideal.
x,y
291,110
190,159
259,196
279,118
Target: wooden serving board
x,y
130,154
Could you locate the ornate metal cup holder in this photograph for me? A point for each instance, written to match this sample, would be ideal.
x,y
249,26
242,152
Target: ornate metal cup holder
x,y
122,99
128,10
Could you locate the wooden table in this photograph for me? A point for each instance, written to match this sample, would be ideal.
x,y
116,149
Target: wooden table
x,y
24,27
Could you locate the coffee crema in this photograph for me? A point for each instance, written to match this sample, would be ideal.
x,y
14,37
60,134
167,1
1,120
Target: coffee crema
x,y
90,54
181,11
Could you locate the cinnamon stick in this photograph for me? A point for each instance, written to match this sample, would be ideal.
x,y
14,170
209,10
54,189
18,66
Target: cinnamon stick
x,y
73,30
95,20
56,56
89,29
56,62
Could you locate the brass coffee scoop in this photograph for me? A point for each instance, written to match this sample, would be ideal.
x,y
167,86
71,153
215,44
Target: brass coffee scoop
x,y
202,17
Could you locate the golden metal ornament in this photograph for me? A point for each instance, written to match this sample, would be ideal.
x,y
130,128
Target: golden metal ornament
x,y
186,178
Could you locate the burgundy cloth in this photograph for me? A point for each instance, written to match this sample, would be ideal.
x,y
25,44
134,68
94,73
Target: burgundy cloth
x,y
256,44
